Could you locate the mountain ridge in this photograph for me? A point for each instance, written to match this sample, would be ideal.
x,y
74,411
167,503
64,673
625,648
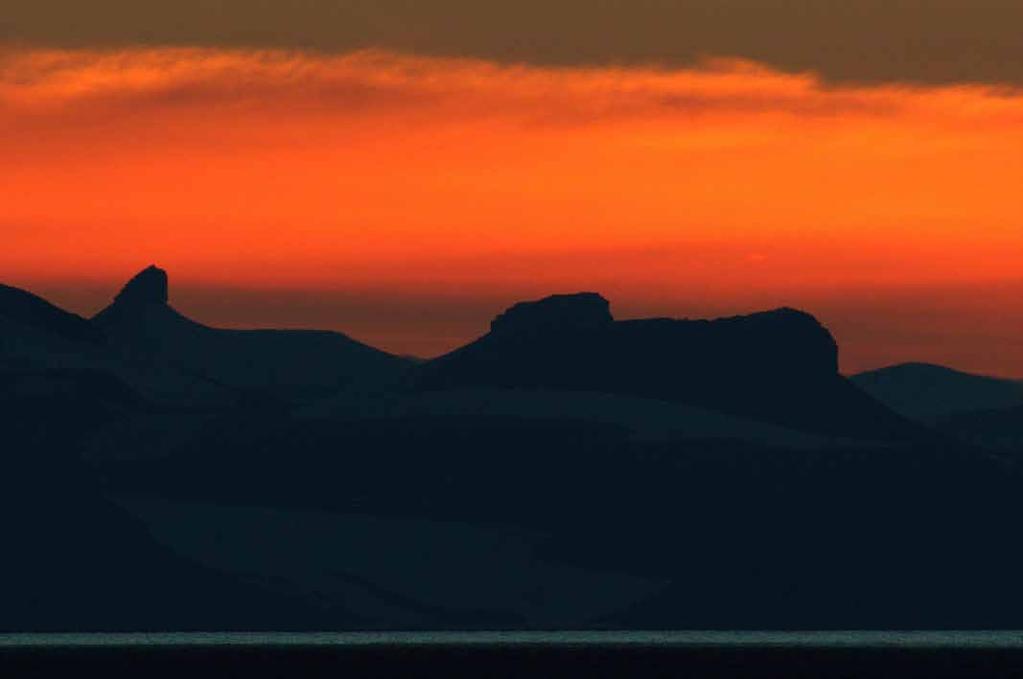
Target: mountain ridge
x,y
142,323
560,341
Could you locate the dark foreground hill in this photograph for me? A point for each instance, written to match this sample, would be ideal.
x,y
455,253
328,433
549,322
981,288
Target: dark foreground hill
x,y
497,521
997,429
73,560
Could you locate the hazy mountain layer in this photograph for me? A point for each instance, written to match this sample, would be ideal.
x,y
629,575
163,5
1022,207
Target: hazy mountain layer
x,y
928,392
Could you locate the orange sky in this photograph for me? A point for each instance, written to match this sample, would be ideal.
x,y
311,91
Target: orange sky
x,y
408,195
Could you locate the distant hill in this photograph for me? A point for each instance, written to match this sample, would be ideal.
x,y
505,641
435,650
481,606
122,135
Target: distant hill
x,y
143,326
778,366
928,392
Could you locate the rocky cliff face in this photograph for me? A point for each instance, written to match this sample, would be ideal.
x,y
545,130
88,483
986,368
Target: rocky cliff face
x,y
141,308
149,286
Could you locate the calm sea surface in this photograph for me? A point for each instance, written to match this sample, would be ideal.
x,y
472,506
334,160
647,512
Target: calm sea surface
x,y
852,639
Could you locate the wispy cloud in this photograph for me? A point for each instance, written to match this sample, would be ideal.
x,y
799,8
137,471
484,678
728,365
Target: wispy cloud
x,y
65,82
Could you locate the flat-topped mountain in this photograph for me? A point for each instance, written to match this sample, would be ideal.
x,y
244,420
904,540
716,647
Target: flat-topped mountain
x,y
143,325
780,365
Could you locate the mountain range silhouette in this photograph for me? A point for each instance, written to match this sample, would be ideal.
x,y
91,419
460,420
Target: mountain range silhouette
x,y
566,469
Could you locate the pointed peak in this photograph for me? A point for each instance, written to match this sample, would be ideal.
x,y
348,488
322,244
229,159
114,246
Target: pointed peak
x,y
149,286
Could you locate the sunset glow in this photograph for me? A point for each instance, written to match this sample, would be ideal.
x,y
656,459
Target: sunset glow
x,y
374,175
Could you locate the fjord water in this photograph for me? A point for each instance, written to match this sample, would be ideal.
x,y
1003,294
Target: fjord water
x,y
807,639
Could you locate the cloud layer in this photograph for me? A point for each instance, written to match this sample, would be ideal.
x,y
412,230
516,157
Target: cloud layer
x,y
938,41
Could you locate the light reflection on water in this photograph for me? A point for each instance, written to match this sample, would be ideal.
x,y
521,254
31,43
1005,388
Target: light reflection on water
x,y
862,639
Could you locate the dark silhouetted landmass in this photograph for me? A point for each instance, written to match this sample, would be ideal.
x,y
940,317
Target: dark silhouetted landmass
x,y
73,560
564,471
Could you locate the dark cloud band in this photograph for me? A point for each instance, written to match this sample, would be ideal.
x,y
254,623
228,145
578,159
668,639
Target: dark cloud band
x,y
933,41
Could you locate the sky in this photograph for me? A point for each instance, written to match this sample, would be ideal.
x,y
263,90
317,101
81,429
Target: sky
x,y
402,171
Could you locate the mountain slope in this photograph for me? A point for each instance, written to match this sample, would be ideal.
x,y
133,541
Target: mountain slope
x,y
928,392
36,335
24,308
